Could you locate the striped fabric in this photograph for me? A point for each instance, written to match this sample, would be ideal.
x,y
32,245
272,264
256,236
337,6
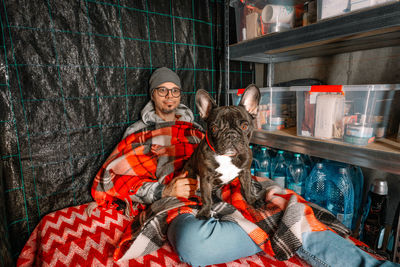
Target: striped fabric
x,y
158,154
68,237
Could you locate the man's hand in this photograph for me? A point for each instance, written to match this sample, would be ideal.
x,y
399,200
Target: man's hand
x,y
181,186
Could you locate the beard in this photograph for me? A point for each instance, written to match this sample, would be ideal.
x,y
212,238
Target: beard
x,y
168,111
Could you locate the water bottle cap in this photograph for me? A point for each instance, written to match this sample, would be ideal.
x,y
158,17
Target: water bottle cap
x,y
320,165
297,155
263,148
379,186
280,152
342,170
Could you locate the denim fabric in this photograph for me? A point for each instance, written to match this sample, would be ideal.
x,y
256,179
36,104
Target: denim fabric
x,y
206,242
329,249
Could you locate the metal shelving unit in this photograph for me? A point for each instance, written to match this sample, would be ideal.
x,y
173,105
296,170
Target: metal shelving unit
x,y
383,154
366,29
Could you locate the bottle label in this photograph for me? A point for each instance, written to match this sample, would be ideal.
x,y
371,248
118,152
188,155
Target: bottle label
x,y
297,188
346,219
280,180
262,174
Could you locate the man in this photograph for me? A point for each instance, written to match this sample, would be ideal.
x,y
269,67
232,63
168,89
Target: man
x,y
197,242
165,105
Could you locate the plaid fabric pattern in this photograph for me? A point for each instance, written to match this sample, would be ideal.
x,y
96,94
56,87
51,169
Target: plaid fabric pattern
x,y
158,154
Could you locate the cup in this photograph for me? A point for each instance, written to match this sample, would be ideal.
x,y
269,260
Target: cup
x,y
278,14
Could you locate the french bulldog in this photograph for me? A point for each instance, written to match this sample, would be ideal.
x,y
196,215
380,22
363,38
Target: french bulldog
x,y
224,152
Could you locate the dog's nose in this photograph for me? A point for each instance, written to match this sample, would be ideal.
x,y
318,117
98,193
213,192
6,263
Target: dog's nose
x,y
232,134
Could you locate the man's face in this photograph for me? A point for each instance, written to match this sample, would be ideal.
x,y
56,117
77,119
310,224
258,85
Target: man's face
x,y
165,104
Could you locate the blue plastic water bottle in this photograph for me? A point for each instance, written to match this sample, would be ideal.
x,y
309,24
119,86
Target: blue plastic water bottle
x,y
316,183
357,179
340,197
308,163
296,175
264,160
278,169
255,164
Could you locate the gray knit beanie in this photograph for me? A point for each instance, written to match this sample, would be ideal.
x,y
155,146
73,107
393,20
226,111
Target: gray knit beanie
x,y
163,75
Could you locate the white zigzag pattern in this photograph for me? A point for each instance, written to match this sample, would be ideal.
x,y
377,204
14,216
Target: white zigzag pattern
x,y
31,246
96,262
91,228
84,253
173,263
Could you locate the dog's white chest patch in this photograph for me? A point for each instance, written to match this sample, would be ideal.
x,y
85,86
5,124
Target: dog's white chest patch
x,y
228,170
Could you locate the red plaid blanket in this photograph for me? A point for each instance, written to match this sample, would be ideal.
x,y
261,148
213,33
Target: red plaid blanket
x,y
276,227
154,154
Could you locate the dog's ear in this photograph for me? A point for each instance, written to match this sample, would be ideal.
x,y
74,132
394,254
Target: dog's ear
x,y
204,103
250,99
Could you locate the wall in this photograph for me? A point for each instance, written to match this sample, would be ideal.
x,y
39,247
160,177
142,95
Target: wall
x,y
73,77
362,67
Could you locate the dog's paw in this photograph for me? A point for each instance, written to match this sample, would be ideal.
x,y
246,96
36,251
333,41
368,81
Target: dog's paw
x,y
251,199
203,214
258,204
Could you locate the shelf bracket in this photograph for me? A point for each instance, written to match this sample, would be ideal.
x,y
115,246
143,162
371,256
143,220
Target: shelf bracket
x,y
270,75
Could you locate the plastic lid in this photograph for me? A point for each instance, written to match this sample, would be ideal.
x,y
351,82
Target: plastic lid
x,y
297,155
263,148
280,152
379,186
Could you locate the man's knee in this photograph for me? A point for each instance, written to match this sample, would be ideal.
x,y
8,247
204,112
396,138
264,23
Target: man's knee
x,y
188,236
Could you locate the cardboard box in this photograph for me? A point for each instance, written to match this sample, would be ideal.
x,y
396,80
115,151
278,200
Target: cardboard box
x,y
332,8
359,4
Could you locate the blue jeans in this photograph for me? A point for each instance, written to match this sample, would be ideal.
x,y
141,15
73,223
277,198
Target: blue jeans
x,y
206,242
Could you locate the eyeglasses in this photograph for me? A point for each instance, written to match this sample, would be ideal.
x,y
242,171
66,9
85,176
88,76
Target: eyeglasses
x,y
162,91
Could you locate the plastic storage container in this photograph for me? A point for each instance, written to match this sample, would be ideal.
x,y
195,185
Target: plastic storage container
x,y
277,109
355,114
332,8
258,17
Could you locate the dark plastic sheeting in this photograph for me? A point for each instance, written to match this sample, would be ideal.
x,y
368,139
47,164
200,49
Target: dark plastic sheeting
x,y
73,76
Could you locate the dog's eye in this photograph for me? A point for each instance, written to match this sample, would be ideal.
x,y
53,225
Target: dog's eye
x,y
244,125
214,128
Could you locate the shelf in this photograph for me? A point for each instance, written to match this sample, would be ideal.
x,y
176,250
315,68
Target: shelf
x,y
383,154
367,29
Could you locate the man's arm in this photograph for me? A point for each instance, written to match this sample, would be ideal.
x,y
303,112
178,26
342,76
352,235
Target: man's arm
x,y
180,186
148,192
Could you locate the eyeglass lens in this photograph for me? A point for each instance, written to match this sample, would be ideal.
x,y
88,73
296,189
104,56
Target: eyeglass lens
x,y
162,91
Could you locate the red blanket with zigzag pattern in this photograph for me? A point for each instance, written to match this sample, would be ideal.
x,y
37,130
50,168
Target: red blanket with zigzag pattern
x,y
69,237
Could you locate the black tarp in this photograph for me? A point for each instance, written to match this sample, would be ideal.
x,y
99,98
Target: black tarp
x,y
73,76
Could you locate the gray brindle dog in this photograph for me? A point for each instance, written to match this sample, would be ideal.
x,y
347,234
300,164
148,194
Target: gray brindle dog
x,y
224,153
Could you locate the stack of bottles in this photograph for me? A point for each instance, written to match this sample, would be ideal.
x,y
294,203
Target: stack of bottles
x,y
335,186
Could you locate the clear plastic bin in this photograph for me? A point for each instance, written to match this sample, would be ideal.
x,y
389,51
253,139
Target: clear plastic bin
x,y
331,8
277,109
355,114
256,17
